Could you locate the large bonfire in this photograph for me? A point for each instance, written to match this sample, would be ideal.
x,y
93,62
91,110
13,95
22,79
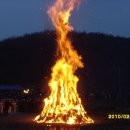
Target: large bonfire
x,y
64,105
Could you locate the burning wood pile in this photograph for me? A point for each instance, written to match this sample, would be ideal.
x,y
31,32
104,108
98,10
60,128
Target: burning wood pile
x,y
64,105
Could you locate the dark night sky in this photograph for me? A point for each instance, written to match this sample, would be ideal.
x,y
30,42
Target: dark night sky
x,y
18,17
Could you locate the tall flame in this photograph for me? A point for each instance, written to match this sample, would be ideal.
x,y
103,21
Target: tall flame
x,y
64,105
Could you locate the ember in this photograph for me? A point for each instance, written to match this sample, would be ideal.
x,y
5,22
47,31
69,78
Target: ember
x,y
64,105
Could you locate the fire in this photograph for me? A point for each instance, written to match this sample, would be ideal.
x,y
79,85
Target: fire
x,y
64,105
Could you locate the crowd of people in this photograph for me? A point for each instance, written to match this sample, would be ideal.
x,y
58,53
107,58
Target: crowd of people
x,y
8,106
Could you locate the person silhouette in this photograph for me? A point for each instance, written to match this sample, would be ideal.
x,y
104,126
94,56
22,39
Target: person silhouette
x,y
6,107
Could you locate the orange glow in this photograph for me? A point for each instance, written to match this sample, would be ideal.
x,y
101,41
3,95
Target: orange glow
x,y
64,105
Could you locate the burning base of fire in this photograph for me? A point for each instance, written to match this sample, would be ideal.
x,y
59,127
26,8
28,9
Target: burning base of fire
x,y
63,106
71,121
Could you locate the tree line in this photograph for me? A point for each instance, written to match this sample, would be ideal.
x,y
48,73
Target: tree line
x,y
27,60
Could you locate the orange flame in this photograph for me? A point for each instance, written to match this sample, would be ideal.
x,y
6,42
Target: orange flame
x,y
64,105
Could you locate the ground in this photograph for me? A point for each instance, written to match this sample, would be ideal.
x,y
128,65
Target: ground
x,y
22,121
